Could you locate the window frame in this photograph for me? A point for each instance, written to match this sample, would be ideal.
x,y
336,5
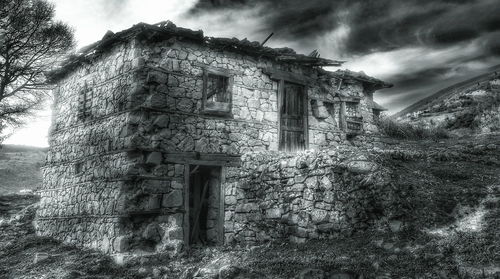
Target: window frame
x,y
229,91
357,110
85,99
355,120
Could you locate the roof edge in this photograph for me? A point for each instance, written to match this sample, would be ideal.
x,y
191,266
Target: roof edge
x,y
359,76
165,30
377,106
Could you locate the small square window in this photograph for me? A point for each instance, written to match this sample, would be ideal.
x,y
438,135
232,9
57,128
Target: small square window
x,y
217,92
78,167
217,88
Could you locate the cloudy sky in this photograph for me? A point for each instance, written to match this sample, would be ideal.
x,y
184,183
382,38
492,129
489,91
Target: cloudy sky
x,y
420,46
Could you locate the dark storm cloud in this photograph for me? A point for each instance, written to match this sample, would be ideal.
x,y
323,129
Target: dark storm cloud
x,y
417,79
375,25
455,39
491,43
412,88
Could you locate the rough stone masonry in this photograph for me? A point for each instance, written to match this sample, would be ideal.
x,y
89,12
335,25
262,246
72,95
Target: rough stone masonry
x,y
163,138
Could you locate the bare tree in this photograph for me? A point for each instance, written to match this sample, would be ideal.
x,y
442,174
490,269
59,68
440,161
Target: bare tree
x,y
31,42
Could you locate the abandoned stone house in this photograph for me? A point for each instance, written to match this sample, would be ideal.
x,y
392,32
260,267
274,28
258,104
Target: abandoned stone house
x,y
162,138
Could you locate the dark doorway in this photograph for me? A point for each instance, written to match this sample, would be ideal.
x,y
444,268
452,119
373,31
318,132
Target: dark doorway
x,y
205,214
292,118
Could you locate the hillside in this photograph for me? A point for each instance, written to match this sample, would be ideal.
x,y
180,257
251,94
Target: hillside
x,y
20,167
442,94
445,225
471,106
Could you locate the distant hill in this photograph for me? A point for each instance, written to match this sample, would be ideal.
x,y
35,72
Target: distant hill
x,y
20,167
442,94
21,148
471,106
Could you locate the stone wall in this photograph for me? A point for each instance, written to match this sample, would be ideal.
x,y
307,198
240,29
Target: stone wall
x,y
154,206
81,201
174,82
302,196
107,81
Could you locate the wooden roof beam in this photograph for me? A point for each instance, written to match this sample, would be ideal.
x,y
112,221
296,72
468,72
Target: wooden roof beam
x,y
288,76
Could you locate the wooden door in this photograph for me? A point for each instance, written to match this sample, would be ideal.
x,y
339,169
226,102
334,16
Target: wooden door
x,y
292,117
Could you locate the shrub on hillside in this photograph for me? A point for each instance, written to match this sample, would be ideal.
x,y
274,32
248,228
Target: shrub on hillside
x,y
468,119
473,117
404,130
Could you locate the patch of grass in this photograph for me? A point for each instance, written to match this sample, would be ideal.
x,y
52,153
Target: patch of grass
x,y
9,204
19,245
403,130
20,168
466,119
427,192
451,174
471,117
10,148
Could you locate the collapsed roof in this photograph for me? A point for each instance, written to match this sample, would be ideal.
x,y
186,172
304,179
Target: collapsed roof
x,y
359,76
376,106
167,30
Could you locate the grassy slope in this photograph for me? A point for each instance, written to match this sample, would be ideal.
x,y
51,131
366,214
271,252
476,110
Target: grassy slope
x,y
446,92
20,167
449,204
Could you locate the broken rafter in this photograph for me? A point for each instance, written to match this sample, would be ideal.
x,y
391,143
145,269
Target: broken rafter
x,y
267,38
314,53
359,76
309,60
340,82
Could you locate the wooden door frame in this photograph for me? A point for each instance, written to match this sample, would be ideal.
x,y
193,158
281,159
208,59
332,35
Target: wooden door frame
x,y
306,117
281,90
222,192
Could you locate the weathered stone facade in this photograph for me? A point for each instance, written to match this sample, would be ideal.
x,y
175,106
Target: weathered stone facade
x,y
312,194
134,119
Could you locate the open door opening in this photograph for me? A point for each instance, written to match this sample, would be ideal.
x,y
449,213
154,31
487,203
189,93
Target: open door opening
x,y
205,213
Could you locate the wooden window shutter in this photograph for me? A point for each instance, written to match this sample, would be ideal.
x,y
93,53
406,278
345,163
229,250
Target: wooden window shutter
x,y
85,102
